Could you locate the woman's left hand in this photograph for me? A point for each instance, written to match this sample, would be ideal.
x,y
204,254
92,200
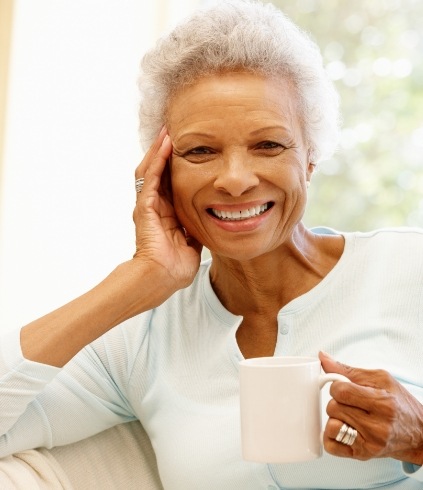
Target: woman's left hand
x,y
388,419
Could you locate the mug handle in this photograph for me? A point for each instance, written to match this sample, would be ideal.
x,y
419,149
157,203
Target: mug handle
x,y
328,378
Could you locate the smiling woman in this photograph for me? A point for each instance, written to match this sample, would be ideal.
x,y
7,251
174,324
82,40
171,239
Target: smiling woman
x,y
239,136
236,110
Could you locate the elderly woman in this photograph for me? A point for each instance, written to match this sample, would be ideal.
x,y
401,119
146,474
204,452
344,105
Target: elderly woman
x,y
236,112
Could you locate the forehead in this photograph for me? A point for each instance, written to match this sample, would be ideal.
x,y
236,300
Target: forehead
x,y
237,96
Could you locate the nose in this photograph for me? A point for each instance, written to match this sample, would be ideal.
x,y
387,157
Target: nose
x,y
236,176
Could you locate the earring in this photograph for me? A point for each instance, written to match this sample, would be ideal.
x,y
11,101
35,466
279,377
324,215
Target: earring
x,y
308,184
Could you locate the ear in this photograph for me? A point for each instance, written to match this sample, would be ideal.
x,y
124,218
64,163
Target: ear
x,y
310,165
310,169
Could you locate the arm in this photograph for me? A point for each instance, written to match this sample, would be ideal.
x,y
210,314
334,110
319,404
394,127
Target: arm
x,y
165,260
45,406
132,288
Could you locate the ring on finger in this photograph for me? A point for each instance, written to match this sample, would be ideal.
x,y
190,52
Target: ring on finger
x,y
139,184
346,435
349,437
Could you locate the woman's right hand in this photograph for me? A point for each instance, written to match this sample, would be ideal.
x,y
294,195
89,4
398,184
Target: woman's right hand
x,y
165,260
161,241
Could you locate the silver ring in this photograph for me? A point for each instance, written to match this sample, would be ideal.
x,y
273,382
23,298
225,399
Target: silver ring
x,y
138,184
346,435
342,432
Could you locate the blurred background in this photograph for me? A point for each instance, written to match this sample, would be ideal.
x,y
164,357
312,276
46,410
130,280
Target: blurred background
x,y
69,144
373,51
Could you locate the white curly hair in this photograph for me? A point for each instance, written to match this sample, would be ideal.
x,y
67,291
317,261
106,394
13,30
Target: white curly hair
x,y
240,35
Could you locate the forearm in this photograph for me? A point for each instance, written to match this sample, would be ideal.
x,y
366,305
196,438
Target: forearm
x,y
58,336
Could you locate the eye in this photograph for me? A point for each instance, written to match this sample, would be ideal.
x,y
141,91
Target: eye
x,y
269,148
200,150
269,145
199,154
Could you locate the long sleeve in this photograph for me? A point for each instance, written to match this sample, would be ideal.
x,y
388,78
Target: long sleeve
x,y
45,406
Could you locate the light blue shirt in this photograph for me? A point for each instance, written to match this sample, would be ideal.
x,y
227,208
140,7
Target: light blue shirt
x,y
176,369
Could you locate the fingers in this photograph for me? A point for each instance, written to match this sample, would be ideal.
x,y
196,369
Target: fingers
x,y
151,169
370,394
152,166
377,406
374,438
355,417
353,395
374,378
151,153
332,446
330,365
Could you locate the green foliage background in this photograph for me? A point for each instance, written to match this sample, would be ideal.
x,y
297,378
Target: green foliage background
x,y
373,50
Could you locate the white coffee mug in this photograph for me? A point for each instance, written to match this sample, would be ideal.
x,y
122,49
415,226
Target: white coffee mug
x,y
281,408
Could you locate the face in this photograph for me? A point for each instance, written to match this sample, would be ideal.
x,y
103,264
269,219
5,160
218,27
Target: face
x,y
239,164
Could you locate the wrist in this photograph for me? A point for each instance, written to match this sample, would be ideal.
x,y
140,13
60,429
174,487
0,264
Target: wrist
x,y
138,286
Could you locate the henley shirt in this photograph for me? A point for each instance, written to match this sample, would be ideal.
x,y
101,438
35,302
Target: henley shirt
x,y
176,369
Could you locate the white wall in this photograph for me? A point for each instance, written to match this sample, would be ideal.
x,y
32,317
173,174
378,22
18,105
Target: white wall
x,y
71,147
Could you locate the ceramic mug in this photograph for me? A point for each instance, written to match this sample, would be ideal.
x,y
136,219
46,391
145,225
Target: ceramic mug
x,y
281,408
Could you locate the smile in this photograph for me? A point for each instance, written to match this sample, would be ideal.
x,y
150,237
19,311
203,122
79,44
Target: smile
x,y
241,214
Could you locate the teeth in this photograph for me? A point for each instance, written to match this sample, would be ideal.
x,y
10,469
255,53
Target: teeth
x,y
240,215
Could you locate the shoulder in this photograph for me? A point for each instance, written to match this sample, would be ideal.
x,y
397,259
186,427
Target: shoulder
x,y
396,252
394,234
401,241
380,233
401,236
383,250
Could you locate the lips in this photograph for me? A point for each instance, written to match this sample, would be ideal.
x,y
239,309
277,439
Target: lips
x,y
242,214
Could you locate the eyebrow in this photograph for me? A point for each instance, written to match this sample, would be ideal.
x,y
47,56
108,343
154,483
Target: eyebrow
x,y
195,133
267,128
252,133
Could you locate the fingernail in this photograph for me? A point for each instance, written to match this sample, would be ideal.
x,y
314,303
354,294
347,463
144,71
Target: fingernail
x,y
326,354
162,131
166,140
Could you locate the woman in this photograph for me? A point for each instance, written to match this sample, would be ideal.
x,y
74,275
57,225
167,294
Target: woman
x,y
238,111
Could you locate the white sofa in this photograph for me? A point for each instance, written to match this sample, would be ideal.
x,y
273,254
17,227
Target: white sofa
x,y
119,458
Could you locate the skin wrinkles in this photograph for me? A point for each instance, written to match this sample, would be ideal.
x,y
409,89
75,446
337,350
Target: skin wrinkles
x,y
232,115
229,143
280,134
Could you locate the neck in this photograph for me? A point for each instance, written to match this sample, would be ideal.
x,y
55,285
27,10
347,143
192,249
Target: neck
x,y
267,283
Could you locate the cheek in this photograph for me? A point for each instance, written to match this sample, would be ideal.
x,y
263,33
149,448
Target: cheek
x,y
187,180
189,184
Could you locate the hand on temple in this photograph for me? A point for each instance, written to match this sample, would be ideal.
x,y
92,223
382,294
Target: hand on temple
x,y
160,238
165,260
